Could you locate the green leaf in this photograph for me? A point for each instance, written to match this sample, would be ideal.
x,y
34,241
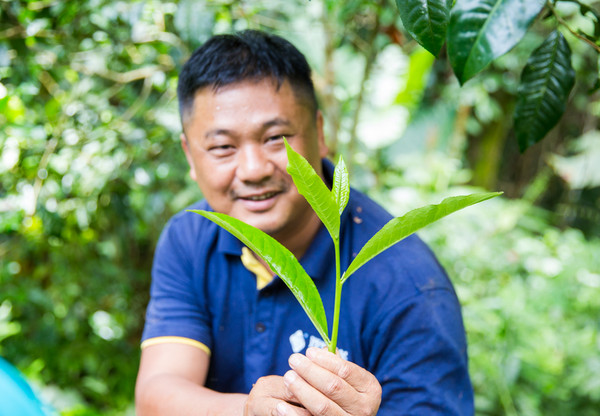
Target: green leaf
x,y
426,21
281,261
482,30
546,81
341,185
419,68
401,227
312,187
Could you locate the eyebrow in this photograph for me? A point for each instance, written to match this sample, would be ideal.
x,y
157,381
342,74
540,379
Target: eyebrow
x,y
278,121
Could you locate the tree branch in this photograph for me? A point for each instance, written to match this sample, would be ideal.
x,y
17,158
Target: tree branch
x,y
562,21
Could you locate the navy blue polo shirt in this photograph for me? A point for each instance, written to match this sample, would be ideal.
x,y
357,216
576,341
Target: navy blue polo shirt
x,y
400,318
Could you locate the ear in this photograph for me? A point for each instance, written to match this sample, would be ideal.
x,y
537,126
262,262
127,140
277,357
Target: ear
x,y
188,155
323,149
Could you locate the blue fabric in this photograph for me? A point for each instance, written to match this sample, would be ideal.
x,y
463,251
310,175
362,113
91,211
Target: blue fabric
x,y
16,396
400,318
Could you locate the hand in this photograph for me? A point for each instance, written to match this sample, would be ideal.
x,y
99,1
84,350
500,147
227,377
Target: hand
x,y
326,384
269,397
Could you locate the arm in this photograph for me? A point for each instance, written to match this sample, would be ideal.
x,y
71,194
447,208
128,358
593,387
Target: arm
x,y
171,382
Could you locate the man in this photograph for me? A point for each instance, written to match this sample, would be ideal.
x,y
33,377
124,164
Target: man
x,y
223,335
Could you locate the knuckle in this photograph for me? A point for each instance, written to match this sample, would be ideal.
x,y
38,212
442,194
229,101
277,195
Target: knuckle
x,y
261,381
322,409
334,387
344,370
372,405
288,395
376,387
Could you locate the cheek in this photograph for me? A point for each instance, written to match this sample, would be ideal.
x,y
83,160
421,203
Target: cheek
x,y
214,179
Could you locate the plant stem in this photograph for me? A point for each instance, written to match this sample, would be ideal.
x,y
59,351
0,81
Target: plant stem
x,y
338,298
562,21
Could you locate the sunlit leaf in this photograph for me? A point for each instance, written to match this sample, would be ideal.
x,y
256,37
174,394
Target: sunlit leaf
x,y
401,227
341,185
546,82
426,21
281,261
419,68
482,30
312,187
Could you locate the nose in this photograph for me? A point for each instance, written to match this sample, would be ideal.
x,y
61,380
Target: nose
x,y
254,164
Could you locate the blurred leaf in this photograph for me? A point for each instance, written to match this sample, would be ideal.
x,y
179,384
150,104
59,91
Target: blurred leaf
x,y
482,30
546,82
426,21
419,68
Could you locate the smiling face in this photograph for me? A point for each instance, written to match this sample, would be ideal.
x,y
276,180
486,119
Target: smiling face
x,y
237,155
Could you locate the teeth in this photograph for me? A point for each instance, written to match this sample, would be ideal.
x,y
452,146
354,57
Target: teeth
x,y
261,197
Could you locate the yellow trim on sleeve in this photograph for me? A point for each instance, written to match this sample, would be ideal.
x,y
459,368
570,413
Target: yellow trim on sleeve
x,y
263,275
178,340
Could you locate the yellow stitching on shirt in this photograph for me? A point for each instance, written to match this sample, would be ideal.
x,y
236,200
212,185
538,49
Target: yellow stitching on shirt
x,y
263,276
177,340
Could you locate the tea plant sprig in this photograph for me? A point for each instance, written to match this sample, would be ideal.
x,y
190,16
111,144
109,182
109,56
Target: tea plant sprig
x,y
329,206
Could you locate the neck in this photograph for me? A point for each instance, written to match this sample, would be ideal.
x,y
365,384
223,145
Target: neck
x,y
299,241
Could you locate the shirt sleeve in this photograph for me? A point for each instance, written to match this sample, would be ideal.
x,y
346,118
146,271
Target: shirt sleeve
x,y
420,357
177,309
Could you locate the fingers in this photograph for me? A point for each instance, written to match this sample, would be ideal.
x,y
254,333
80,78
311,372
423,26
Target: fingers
x,y
270,397
317,403
326,381
353,374
287,409
327,384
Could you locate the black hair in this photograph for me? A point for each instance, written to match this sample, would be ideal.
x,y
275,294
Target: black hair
x,y
248,55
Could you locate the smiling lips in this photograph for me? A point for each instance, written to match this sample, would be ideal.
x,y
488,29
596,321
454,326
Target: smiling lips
x,y
260,197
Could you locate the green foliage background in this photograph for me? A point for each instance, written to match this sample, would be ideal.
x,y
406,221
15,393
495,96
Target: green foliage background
x,y
91,169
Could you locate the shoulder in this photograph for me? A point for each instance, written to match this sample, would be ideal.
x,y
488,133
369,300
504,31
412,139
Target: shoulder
x,y
188,229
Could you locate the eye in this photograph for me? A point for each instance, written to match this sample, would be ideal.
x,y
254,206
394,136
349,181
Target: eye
x,y
222,150
276,138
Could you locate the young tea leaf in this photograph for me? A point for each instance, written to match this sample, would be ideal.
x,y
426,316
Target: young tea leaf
x,y
281,261
341,185
401,227
312,187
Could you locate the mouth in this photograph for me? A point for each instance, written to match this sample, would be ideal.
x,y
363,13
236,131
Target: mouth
x,y
259,197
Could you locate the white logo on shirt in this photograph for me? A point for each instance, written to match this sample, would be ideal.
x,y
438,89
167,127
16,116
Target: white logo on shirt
x,y
298,343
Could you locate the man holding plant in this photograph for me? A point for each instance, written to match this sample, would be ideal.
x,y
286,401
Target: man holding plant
x,y
224,335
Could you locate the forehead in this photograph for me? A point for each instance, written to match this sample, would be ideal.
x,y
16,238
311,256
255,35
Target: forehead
x,y
265,97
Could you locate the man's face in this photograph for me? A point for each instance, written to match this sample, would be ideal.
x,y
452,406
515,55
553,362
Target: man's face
x,y
237,155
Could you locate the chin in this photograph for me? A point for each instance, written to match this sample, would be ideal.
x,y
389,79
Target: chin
x,y
269,228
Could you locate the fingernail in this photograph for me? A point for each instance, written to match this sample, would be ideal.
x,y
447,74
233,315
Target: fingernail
x,y
281,409
289,377
294,360
312,352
